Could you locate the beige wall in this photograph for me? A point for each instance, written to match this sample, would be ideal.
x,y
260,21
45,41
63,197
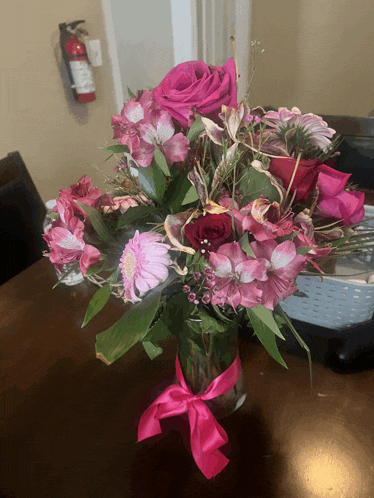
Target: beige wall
x,y
58,142
319,55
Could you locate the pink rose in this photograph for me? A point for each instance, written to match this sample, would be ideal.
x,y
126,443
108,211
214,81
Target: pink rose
x,y
334,201
306,175
194,86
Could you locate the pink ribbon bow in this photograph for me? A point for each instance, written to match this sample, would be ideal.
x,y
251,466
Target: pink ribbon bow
x,y
206,434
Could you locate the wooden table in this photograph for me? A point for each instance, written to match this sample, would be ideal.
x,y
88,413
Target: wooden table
x,y
68,421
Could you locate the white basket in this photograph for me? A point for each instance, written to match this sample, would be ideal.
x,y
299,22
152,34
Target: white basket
x,y
333,303
337,302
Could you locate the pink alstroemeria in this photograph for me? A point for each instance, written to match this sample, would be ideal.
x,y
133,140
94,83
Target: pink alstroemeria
x,y
84,192
234,273
126,126
66,245
283,265
160,132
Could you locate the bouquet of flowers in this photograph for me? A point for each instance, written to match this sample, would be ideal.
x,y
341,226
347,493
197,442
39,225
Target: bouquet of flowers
x,y
215,209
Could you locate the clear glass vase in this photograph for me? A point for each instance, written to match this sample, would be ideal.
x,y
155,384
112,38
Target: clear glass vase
x,y
203,357
73,274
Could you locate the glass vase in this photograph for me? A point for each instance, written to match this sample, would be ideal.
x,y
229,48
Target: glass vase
x,y
205,356
73,274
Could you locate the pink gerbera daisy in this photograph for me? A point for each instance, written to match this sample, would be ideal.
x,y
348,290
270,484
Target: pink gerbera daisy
x,y
144,264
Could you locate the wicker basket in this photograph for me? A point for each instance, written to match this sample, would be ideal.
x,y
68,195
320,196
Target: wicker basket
x,y
337,302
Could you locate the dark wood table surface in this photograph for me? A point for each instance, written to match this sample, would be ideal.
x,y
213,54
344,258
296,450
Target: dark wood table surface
x,y
69,422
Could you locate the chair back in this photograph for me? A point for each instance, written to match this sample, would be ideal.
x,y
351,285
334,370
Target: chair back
x,y
22,212
356,149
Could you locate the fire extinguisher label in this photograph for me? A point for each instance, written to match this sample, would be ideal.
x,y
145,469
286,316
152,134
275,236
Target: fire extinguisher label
x,y
82,76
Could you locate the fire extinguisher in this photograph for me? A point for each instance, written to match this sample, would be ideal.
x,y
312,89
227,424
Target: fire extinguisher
x,y
77,63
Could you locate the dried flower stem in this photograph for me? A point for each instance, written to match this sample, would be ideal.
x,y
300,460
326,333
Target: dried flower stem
x,y
293,174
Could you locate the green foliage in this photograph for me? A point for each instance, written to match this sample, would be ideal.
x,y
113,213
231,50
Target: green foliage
x,y
128,330
191,196
152,350
97,222
211,325
267,317
160,160
97,303
304,250
245,246
130,93
196,129
255,183
176,310
266,334
133,214
116,149
152,182
177,191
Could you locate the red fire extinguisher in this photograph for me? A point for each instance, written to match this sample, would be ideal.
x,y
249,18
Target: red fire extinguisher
x,y
77,63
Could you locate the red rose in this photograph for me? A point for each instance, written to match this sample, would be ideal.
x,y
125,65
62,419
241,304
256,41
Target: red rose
x,y
195,86
306,175
209,232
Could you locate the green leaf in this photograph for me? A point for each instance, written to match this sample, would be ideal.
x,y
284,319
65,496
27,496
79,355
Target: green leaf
x,y
196,129
97,303
265,335
191,196
177,191
339,242
53,216
255,183
116,149
245,245
97,222
152,182
161,161
267,317
304,250
128,330
210,325
134,214
152,350
93,270
131,94
286,318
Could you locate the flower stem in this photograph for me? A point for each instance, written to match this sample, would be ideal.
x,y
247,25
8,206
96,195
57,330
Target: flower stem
x,y
293,174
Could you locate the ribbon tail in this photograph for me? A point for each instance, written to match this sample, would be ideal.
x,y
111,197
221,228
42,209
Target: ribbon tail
x,y
207,436
149,425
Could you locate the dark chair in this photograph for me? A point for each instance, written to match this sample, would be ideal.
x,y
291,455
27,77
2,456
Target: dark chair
x,y
22,212
356,149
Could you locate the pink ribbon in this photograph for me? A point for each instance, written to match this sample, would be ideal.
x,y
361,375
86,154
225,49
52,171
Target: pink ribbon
x,y
207,436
